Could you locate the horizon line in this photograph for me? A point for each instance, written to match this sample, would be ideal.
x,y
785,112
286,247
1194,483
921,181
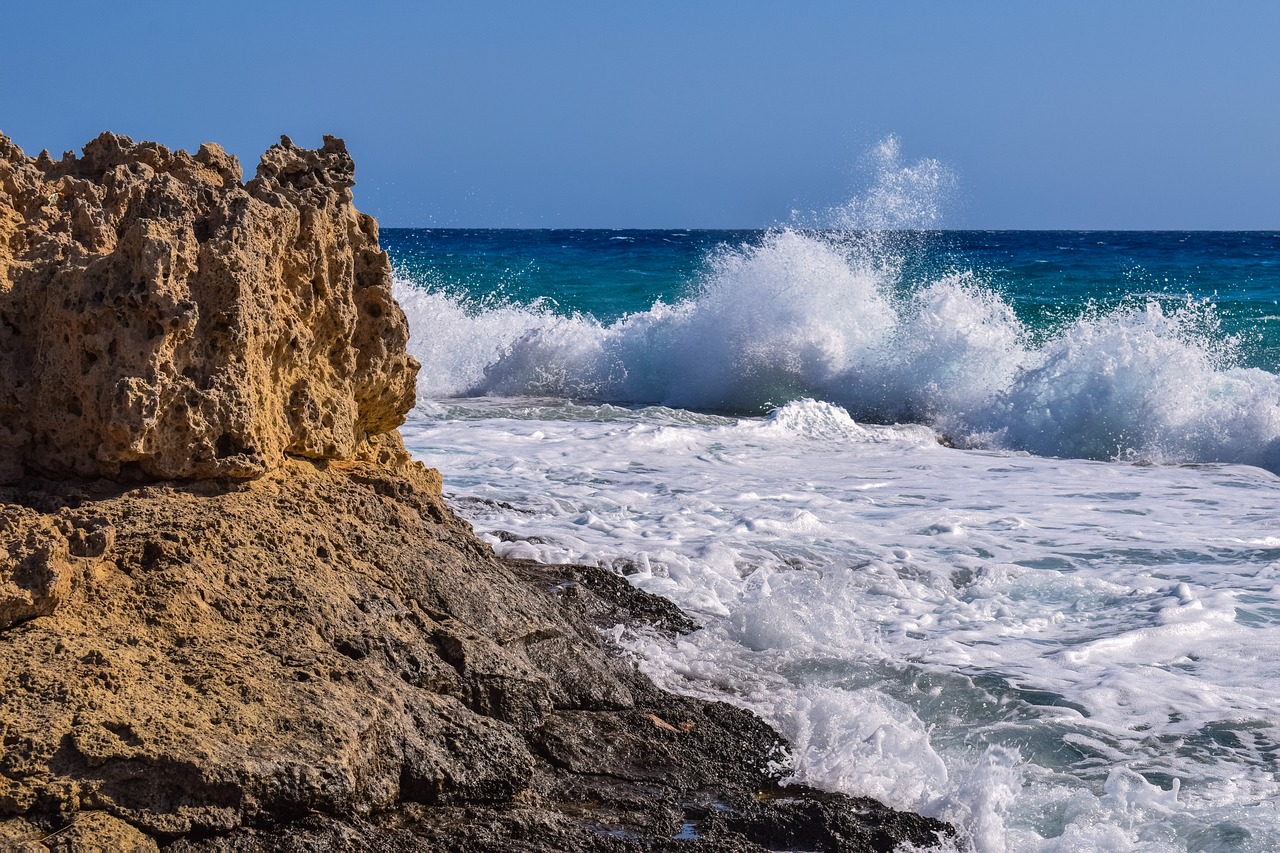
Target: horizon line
x,y
759,228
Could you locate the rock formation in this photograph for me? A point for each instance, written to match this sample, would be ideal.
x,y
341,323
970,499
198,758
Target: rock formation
x,y
160,319
235,616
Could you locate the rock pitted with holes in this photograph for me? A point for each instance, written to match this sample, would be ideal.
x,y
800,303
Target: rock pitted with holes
x,y
160,319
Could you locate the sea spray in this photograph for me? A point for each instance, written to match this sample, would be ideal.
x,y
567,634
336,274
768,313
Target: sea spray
x,y
832,313
1090,615
1138,383
806,315
982,801
1055,654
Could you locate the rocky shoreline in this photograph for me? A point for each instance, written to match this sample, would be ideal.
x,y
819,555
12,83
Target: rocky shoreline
x,y
234,615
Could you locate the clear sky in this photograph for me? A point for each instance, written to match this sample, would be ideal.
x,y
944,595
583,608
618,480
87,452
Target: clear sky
x,y
697,113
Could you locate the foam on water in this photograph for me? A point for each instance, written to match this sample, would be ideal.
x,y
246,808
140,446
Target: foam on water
x,y
912,616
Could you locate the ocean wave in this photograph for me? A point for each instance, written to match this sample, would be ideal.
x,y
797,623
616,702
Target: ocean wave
x,y
826,316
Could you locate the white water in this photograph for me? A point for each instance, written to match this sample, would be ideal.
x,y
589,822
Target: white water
x,y
1034,648
803,315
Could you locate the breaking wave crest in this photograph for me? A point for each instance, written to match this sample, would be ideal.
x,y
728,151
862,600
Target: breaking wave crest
x,y
818,315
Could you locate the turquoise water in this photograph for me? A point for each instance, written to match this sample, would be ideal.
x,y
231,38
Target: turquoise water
x,y
604,273
1049,277
1160,347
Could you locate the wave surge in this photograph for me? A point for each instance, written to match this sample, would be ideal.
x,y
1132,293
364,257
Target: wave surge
x,y
829,316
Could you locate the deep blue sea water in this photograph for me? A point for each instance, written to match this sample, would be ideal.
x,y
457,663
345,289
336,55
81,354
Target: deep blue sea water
x,y
984,522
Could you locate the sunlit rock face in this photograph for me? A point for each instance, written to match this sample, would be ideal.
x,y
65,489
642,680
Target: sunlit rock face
x,y
161,319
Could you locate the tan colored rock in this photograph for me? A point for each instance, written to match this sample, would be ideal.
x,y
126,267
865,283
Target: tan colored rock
x,y
20,836
160,319
35,567
323,638
87,831
325,658
40,559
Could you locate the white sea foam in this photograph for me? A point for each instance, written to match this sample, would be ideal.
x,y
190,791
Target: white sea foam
x,y
812,315
900,610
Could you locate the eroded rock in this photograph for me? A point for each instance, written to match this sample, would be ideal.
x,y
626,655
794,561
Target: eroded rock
x,y
35,567
160,319
327,653
40,558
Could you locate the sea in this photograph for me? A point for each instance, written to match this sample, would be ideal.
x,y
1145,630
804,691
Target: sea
x,y
985,523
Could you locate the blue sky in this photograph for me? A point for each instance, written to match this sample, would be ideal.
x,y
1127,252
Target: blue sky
x,y
688,114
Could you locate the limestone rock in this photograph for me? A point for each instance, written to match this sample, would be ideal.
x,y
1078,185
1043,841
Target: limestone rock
x,y
39,558
91,830
284,639
160,319
35,567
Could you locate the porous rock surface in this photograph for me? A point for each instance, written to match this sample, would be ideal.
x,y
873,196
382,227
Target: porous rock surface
x,y
303,648
158,318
